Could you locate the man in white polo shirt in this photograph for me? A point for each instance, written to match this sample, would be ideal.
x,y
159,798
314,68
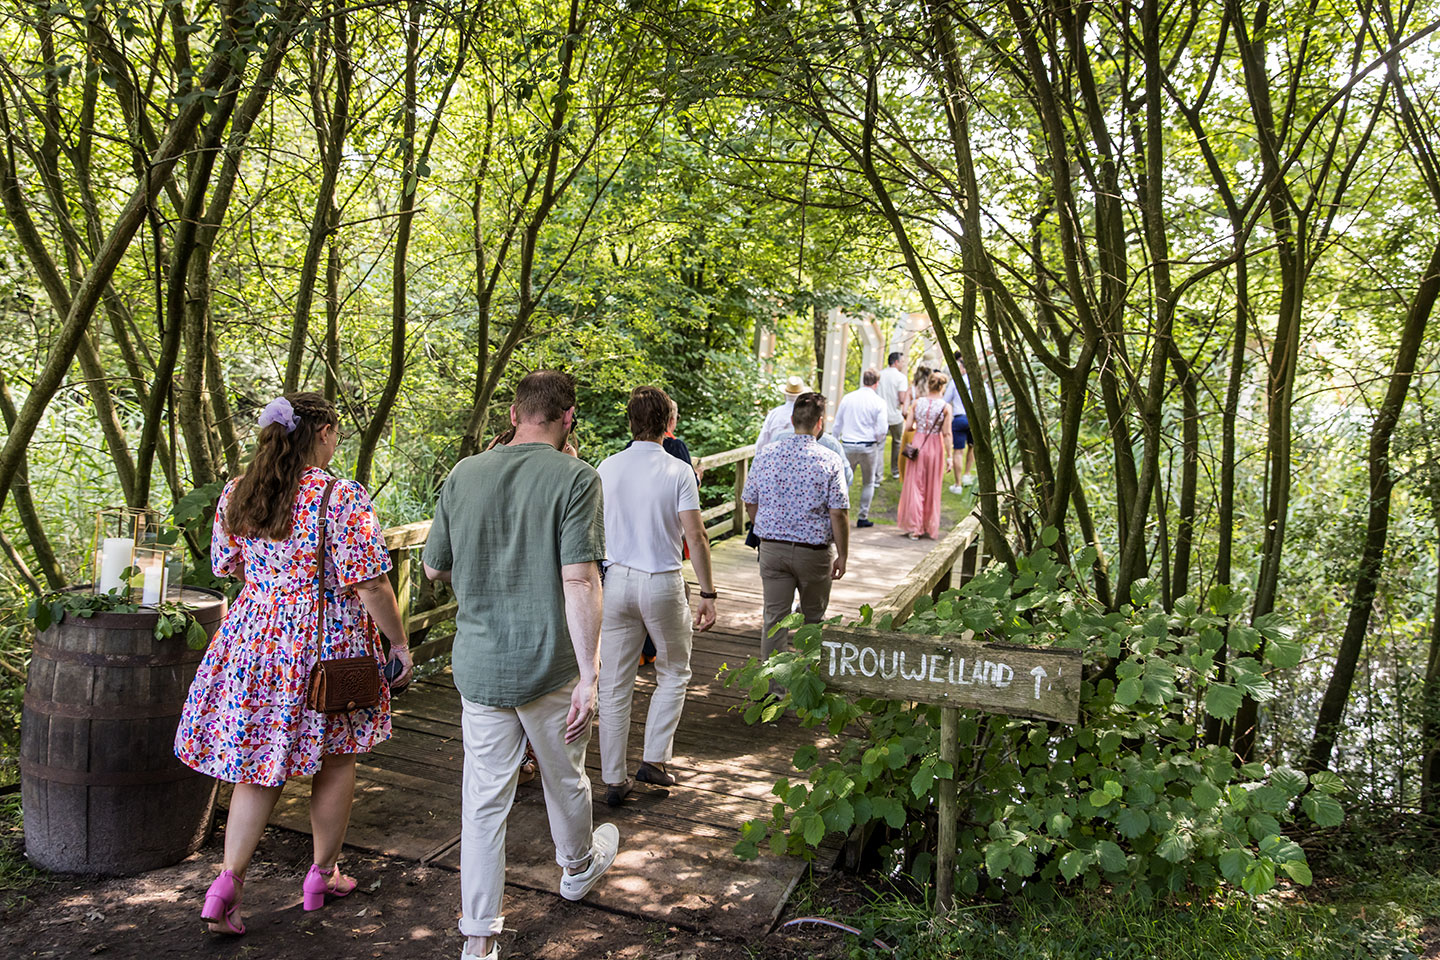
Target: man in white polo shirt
x,y
861,423
651,501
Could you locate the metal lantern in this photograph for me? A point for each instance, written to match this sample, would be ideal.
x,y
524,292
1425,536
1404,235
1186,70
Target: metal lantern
x,y
120,535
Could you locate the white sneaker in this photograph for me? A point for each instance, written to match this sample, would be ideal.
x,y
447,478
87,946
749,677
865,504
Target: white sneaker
x,y
604,844
956,489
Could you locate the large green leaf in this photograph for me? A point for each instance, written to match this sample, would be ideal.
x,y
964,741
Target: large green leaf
x,y
1259,877
1112,858
1074,863
1222,700
1323,809
1130,823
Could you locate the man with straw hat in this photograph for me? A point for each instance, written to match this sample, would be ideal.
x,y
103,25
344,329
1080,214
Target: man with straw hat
x,y
778,419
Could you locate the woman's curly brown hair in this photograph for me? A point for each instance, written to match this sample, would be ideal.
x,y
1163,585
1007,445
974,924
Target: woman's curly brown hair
x,y
263,502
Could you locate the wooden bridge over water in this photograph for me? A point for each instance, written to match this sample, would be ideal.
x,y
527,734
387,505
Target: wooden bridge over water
x,y
676,863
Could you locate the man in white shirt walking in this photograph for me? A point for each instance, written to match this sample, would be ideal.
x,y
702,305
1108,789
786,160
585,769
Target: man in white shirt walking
x,y
861,423
894,389
651,501
777,421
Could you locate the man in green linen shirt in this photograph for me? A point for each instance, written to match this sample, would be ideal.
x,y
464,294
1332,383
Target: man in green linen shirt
x,y
519,532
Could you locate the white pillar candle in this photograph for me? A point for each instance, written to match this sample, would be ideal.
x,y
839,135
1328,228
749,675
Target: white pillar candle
x,y
154,590
116,554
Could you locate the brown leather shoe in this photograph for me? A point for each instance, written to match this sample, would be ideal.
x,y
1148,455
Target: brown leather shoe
x,y
615,794
649,773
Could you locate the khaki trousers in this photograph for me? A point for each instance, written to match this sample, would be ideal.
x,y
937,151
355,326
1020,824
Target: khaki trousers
x,y
896,431
637,602
494,740
784,569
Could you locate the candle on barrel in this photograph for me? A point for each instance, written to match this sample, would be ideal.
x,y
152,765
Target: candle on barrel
x,y
153,573
117,554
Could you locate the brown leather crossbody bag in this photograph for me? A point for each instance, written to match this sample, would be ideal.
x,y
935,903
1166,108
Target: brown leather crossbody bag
x,y
341,684
912,450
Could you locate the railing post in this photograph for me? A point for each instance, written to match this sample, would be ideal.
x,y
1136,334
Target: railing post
x,y
947,811
942,584
968,561
402,577
740,471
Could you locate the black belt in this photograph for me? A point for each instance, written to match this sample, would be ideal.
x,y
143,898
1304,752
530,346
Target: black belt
x,y
796,543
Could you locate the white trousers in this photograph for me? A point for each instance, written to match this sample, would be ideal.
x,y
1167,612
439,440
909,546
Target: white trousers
x,y
637,603
494,739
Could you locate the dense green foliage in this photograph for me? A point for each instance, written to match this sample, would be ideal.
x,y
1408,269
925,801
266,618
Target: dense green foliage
x,y
1187,250
1129,797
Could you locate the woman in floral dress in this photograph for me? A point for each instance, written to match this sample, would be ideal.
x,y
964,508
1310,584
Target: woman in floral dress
x,y
929,417
245,720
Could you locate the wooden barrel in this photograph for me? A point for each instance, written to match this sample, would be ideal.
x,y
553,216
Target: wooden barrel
x,y
101,789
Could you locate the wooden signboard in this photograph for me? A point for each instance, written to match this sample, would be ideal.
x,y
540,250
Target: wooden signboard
x,y
956,673
1017,681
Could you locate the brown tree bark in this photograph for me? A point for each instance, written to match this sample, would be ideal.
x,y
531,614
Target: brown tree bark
x,y
331,128
40,545
1372,552
413,158
90,290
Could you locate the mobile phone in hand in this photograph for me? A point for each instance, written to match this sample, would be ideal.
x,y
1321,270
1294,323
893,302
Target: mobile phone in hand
x,y
392,670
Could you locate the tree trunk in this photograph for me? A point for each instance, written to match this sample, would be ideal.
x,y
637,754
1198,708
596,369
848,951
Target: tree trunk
x,y
25,504
1372,554
399,277
331,131
92,288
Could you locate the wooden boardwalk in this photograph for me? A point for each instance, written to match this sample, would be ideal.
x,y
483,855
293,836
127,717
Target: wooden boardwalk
x,y
676,863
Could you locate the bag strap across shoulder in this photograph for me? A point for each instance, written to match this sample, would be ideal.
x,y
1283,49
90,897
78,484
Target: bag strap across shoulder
x,y
320,526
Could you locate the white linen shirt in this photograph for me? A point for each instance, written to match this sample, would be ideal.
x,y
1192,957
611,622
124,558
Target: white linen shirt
x,y
892,384
776,422
861,417
645,491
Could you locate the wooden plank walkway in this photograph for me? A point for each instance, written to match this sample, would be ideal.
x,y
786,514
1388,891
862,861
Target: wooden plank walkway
x,y
676,863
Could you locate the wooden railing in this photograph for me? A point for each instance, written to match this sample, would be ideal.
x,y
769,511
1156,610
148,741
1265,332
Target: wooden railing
x,y
731,514
406,542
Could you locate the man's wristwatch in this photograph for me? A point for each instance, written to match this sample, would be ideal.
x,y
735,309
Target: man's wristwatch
x,y
708,596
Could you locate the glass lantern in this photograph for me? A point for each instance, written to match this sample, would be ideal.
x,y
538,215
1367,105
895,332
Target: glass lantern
x,y
120,532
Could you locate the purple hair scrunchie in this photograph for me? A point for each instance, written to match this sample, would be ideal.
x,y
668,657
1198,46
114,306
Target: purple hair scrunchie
x,y
279,411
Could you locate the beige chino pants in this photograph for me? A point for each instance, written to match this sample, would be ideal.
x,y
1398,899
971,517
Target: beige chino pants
x,y
636,603
494,741
784,569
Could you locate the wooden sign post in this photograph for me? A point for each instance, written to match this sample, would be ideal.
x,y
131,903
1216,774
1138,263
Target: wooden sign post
x,y
956,673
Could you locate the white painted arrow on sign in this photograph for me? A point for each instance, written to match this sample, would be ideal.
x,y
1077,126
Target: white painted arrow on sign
x,y
1039,674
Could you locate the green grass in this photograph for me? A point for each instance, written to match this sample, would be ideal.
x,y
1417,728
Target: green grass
x,y
887,500
1377,897
1382,920
16,873
1094,928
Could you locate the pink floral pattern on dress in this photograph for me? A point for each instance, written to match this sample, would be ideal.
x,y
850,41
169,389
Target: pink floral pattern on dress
x,y
245,719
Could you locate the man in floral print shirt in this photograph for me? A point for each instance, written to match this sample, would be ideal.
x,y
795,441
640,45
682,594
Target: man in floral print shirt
x,y
797,498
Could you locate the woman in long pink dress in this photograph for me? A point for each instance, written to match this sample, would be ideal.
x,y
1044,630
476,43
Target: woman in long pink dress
x,y
929,417
245,719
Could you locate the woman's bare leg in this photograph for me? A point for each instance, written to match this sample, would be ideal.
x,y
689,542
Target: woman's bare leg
x,y
250,809
331,793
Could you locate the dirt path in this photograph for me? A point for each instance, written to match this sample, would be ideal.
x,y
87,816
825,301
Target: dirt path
x,y
400,910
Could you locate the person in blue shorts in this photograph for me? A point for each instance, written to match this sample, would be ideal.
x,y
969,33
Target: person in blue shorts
x,y
962,457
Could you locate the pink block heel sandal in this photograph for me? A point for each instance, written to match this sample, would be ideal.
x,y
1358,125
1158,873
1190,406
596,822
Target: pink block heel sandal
x,y
222,905
319,884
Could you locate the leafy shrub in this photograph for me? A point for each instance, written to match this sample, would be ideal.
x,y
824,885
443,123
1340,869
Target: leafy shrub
x,y
1132,797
